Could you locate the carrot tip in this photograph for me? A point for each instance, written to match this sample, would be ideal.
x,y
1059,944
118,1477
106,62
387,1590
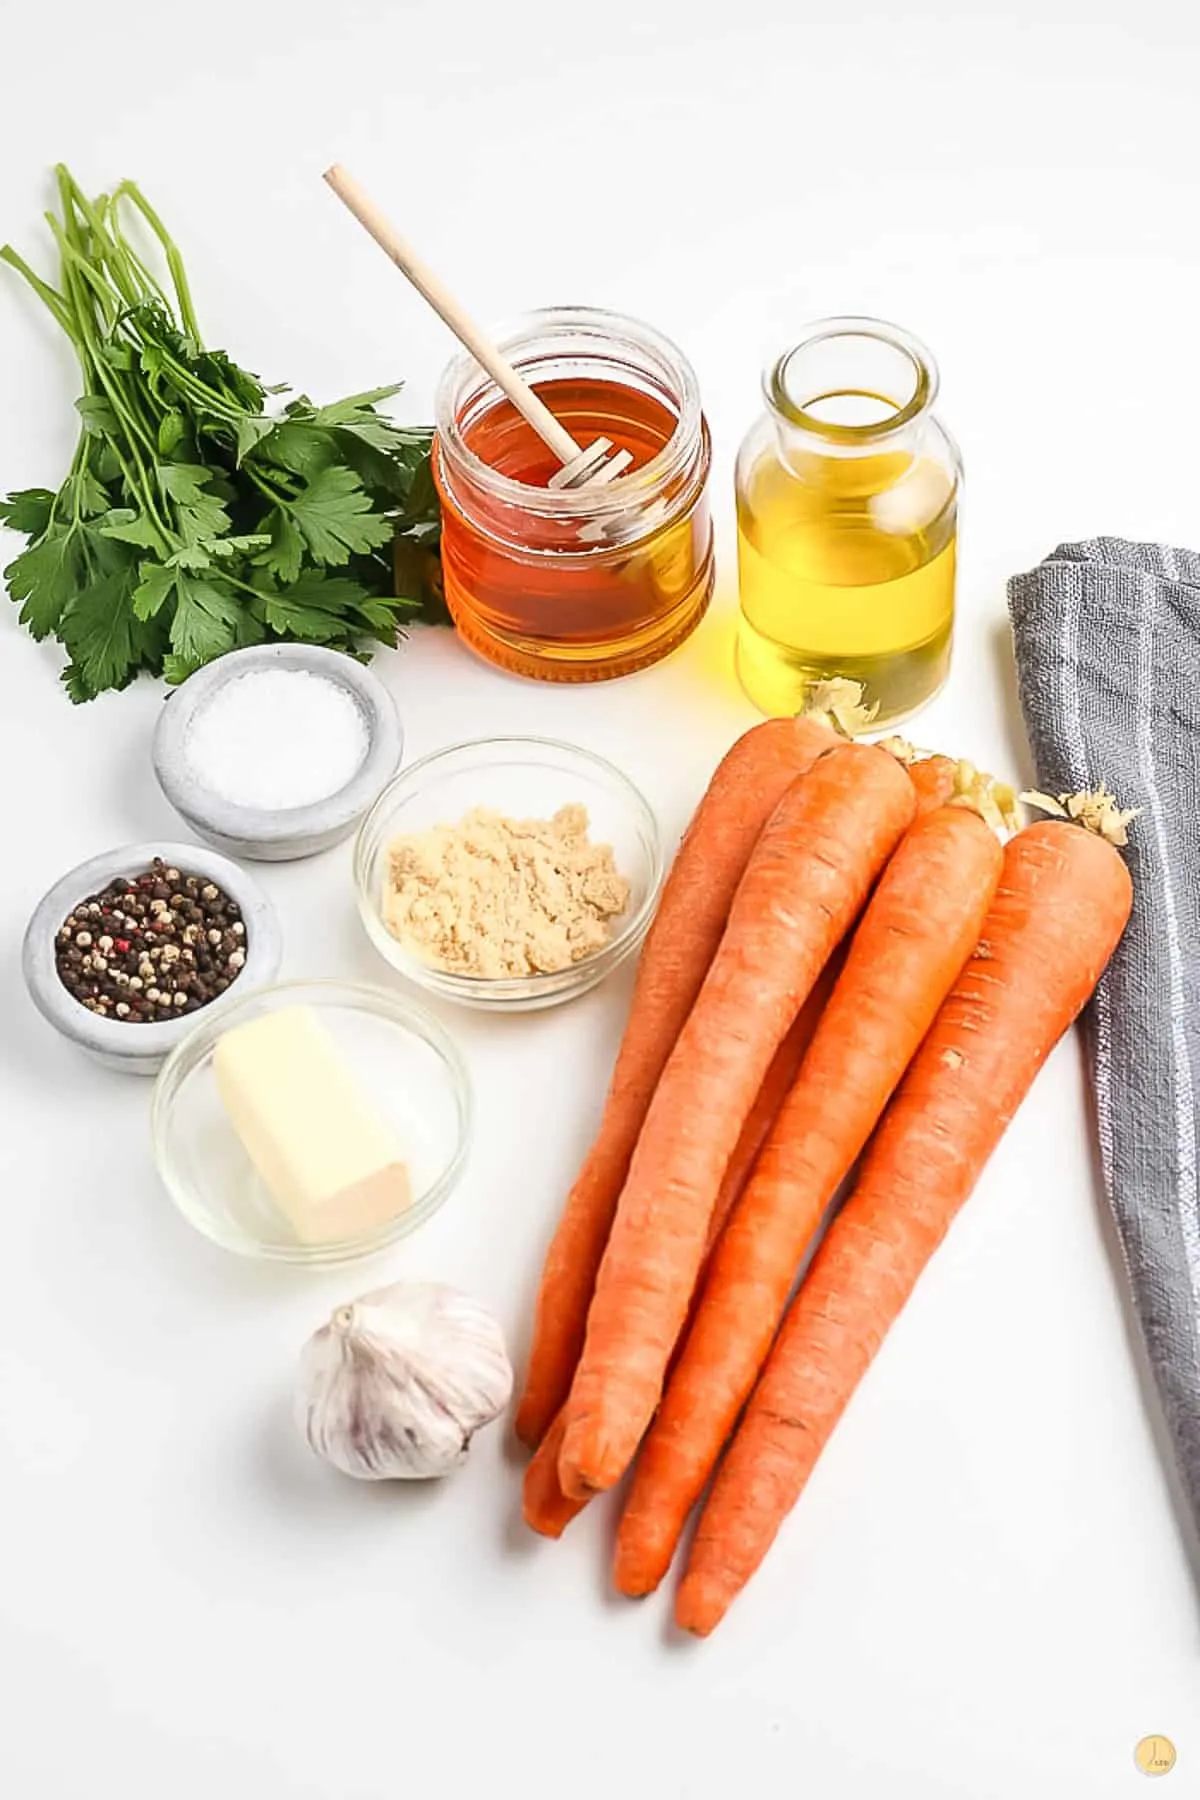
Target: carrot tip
x,y
529,1428
635,1590
700,1605
586,1463
575,1486
635,1584
546,1527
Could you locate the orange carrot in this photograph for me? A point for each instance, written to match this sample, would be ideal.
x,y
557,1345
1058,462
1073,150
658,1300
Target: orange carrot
x,y
679,947
806,881
545,1507
934,778
1062,903
919,929
681,943
939,779
777,1082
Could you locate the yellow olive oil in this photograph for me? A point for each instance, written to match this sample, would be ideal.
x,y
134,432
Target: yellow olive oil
x,y
846,566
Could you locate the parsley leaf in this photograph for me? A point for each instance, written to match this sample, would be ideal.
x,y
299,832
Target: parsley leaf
x,y
156,581
177,668
335,517
251,429
85,494
98,632
251,628
300,448
235,545
185,482
170,432
320,608
331,593
284,554
308,623
28,511
380,615
206,613
78,689
98,415
356,416
199,513
45,578
340,412
130,527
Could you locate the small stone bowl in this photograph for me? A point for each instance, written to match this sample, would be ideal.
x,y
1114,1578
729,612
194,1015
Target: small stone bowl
x,y
287,833
142,1049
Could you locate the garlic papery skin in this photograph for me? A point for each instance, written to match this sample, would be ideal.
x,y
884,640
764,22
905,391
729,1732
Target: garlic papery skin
x,y
396,1384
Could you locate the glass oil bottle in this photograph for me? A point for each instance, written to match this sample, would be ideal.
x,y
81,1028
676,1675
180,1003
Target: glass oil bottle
x,y
847,502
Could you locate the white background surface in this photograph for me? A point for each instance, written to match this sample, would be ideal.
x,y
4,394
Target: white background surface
x,y
985,1591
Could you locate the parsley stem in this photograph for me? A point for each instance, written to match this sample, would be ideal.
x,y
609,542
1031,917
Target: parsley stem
x,y
77,288
155,292
101,293
235,581
129,190
274,489
121,254
99,381
50,297
99,253
205,396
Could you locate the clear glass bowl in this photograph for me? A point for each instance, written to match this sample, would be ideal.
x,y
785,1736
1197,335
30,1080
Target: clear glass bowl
x,y
401,1057
524,778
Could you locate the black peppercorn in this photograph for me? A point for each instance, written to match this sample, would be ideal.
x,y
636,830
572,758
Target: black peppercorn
x,y
126,953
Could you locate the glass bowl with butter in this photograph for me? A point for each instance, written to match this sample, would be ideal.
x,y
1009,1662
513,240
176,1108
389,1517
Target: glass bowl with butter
x,y
509,873
312,1122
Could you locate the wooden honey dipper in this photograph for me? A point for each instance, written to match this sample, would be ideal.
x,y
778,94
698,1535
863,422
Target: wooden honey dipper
x,y
590,467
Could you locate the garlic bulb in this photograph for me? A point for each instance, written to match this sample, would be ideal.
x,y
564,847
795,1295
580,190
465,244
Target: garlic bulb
x,y
394,1386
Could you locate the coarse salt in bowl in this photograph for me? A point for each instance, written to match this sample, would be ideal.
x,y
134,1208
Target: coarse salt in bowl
x,y
228,744
276,752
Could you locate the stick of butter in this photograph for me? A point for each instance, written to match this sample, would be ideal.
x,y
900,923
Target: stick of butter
x,y
328,1160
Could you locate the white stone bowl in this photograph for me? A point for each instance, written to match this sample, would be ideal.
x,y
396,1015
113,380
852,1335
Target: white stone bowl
x,y
142,1049
291,832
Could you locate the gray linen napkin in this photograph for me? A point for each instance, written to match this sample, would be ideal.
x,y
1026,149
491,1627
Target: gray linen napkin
x,y
1108,660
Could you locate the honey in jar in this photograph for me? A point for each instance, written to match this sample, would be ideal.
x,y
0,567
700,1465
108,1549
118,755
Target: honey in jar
x,y
586,584
847,499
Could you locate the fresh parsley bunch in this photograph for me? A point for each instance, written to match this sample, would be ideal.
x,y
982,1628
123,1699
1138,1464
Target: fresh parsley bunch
x,y
192,521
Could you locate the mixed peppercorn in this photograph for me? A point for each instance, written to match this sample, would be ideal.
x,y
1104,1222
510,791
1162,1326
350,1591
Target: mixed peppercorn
x,y
151,947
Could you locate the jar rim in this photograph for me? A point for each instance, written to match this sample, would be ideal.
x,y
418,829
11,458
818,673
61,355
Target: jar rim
x,y
583,503
785,406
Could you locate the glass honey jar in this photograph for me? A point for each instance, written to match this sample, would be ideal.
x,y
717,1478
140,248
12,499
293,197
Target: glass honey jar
x,y
847,502
582,585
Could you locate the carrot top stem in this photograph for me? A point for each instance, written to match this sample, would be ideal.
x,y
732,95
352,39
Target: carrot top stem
x,y
839,704
903,751
1093,808
994,801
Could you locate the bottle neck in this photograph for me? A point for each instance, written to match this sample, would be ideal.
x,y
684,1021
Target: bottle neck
x,y
851,388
